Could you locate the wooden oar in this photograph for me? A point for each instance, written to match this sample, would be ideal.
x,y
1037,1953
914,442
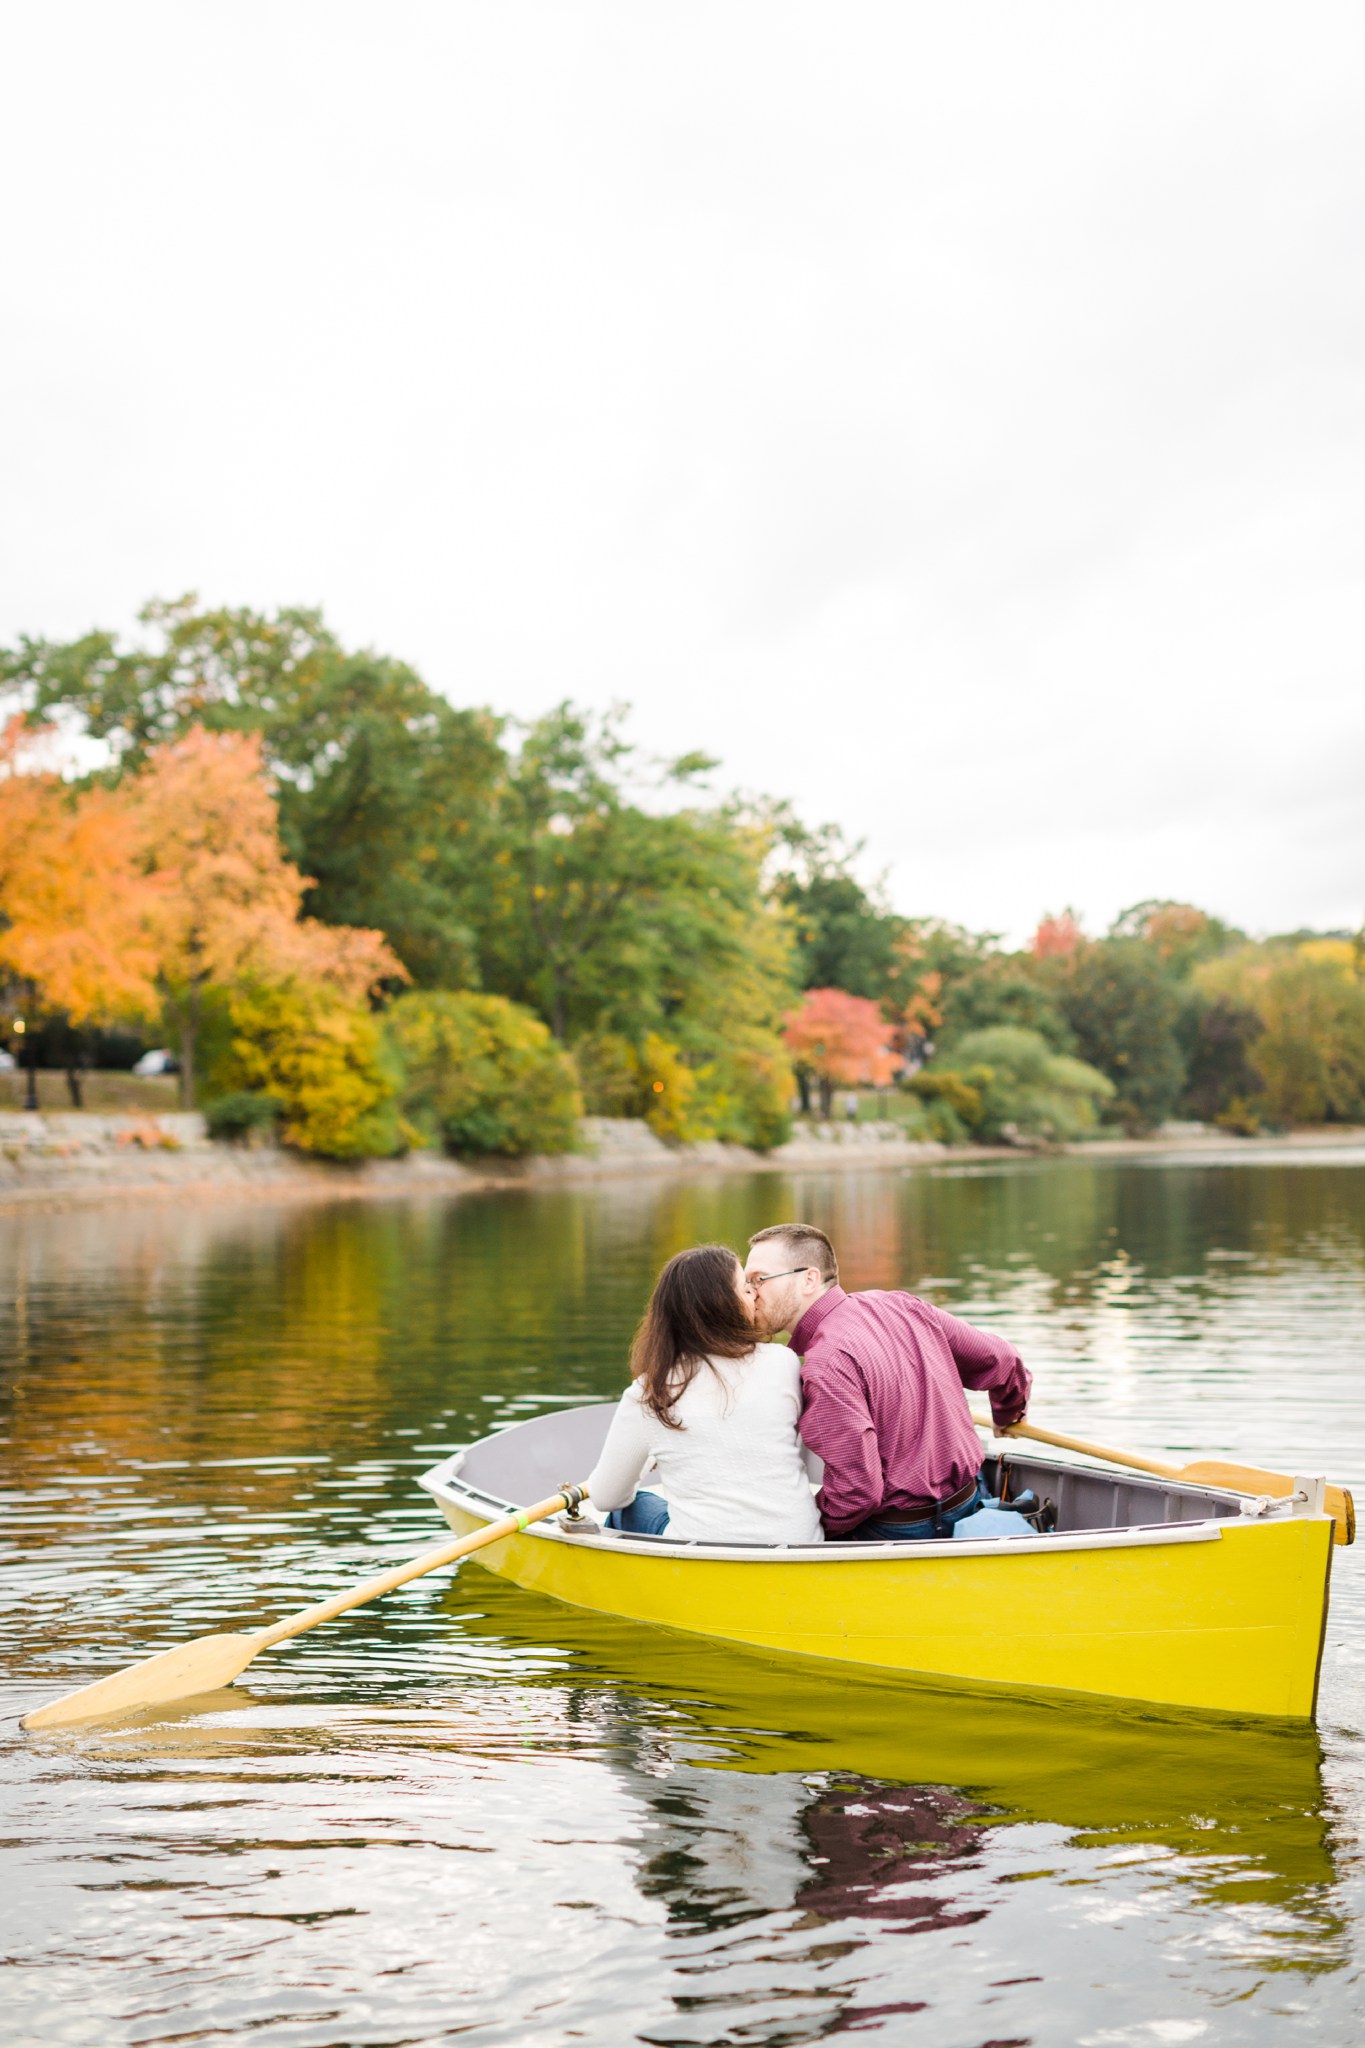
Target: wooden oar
x,y
216,1660
1207,1472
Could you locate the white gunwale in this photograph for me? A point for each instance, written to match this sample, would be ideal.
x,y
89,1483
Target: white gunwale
x,y
442,1482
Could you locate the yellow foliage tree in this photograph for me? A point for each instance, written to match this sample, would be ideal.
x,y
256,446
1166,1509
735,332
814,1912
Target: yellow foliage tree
x,y
1310,999
319,1055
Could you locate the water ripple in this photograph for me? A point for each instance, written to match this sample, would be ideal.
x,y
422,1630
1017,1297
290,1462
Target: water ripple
x,y
471,1813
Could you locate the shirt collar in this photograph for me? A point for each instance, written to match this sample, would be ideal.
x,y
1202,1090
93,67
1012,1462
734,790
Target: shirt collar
x,y
822,1306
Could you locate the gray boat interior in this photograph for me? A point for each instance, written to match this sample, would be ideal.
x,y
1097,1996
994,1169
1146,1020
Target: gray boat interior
x,y
532,1459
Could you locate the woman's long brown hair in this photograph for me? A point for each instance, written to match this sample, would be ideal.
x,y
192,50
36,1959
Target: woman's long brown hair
x,y
694,1314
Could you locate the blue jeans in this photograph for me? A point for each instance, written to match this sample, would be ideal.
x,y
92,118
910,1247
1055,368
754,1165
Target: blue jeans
x,y
933,1526
646,1515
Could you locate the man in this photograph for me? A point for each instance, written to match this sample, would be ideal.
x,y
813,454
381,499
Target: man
x,y
882,1404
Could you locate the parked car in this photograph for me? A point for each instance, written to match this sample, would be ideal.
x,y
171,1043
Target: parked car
x,y
7,1062
159,1061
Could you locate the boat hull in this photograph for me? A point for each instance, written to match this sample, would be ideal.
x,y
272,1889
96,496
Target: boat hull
x,y
1221,1616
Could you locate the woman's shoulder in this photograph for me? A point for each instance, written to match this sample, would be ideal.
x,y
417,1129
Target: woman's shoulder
x,y
764,1357
777,1358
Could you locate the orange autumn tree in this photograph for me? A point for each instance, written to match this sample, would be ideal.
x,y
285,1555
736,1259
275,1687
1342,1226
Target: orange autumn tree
x,y
228,906
77,908
839,1038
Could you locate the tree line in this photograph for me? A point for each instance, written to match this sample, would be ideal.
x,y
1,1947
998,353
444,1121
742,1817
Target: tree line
x,y
373,919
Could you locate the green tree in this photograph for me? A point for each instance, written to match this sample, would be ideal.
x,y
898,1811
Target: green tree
x,y
387,793
1217,1034
605,915
1122,1008
932,959
1180,935
843,940
1004,989
481,1074
845,936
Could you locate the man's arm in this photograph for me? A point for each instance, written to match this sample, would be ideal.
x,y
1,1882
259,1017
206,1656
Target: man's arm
x,y
986,1361
837,1426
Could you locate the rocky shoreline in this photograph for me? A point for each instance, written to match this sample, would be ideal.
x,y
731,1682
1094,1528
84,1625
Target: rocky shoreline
x,y
57,1160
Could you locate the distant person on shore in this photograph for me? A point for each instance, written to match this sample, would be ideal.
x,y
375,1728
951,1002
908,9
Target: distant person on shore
x,y
715,1410
882,1378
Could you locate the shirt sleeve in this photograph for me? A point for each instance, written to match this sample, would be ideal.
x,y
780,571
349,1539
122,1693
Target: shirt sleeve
x,y
613,1479
987,1362
837,1425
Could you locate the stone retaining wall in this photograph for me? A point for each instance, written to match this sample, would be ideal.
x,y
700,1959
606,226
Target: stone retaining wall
x,y
75,1157
50,1154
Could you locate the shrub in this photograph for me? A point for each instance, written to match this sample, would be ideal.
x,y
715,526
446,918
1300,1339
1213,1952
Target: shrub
x,y
320,1057
1022,1086
652,1080
914,1118
668,1088
237,1117
945,1089
609,1075
481,1074
944,1124
1240,1117
745,1091
739,1091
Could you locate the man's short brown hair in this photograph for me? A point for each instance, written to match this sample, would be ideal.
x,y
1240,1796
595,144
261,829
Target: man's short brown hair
x,y
809,1246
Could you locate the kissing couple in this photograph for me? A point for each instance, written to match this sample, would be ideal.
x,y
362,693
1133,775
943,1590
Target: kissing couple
x,y
857,1430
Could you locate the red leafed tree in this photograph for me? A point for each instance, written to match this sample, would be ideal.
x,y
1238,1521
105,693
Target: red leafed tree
x,y
1057,938
839,1038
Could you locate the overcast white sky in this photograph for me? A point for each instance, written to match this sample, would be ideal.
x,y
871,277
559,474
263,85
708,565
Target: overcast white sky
x,y
953,417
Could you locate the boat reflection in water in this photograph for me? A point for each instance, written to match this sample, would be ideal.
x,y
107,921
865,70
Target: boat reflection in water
x,y
774,1784
741,1846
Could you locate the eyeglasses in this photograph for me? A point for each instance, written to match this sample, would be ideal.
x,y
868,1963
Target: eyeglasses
x,y
762,1279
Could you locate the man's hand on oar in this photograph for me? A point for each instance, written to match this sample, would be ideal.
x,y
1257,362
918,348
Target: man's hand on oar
x,y
1206,1472
212,1661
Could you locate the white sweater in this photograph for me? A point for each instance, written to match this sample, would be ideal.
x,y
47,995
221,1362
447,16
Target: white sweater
x,y
736,1471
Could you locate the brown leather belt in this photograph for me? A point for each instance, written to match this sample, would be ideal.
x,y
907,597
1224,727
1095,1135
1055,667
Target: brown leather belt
x,y
921,1511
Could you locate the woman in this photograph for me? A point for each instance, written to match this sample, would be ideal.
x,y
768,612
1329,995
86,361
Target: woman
x,y
715,1411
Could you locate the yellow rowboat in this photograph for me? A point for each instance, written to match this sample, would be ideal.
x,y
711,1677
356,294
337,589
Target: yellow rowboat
x,y
1147,1590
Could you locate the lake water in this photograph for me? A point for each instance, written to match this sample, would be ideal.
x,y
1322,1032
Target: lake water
x,y
470,1814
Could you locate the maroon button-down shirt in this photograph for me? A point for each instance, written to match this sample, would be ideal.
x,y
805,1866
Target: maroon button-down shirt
x,y
882,1403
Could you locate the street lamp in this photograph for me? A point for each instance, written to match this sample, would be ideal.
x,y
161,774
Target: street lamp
x,y
31,1096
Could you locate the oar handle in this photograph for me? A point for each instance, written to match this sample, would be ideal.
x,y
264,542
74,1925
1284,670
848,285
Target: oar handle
x,y
1076,1443
415,1568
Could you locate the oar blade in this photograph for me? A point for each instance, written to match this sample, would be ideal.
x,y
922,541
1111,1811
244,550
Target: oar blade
x,y
172,1675
1251,1479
